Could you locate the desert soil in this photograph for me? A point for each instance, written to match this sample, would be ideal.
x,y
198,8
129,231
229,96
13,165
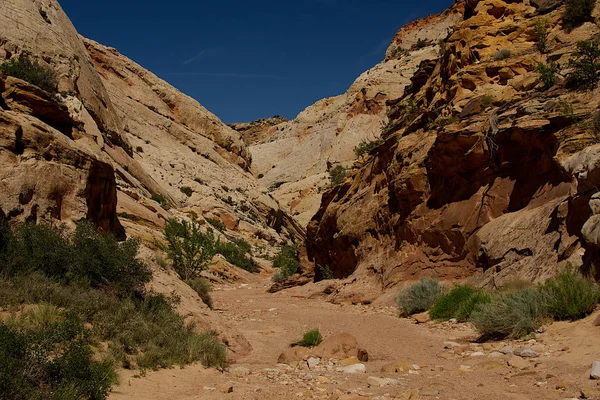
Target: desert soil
x,y
438,369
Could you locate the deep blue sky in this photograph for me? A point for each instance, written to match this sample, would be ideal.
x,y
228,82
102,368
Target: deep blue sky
x,y
245,60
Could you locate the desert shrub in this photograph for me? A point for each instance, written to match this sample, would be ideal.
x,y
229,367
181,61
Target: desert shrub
x,y
31,71
365,147
420,296
186,190
160,199
143,331
31,368
260,176
467,307
512,315
421,43
448,304
139,149
487,101
326,272
541,33
188,247
208,349
337,175
502,54
87,255
312,338
286,261
203,288
548,74
217,224
570,296
585,64
236,255
577,12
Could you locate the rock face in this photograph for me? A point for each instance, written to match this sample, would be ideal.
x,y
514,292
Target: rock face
x,y
259,131
294,157
481,172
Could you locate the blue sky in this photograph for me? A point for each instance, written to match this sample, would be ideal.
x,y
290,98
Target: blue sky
x,y
245,60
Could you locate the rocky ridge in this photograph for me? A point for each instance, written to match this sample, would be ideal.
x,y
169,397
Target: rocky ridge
x,y
481,173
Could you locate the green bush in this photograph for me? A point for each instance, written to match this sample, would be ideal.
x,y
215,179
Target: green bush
x,y
141,331
203,288
188,247
31,71
236,255
286,261
420,296
585,64
421,43
337,175
570,296
577,12
87,255
548,74
541,31
160,199
502,54
217,224
32,368
467,307
511,315
312,338
186,190
487,101
365,147
448,304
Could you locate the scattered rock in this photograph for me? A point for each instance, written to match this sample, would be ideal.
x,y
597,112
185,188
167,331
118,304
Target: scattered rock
x,y
526,353
353,369
595,373
518,362
381,382
507,350
226,389
313,362
422,318
240,372
400,366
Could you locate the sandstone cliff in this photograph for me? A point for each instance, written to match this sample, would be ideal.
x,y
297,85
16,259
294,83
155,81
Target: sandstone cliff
x,y
295,157
481,173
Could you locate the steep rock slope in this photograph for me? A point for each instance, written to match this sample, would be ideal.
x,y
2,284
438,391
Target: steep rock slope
x,y
481,173
296,156
179,144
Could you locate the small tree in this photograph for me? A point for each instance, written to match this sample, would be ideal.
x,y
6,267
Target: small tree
x,y
548,74
337,175
190,249
585,64
366,146
541,31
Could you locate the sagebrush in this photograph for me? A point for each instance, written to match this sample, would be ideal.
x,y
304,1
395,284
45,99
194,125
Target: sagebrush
x,y
420,296
312,338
